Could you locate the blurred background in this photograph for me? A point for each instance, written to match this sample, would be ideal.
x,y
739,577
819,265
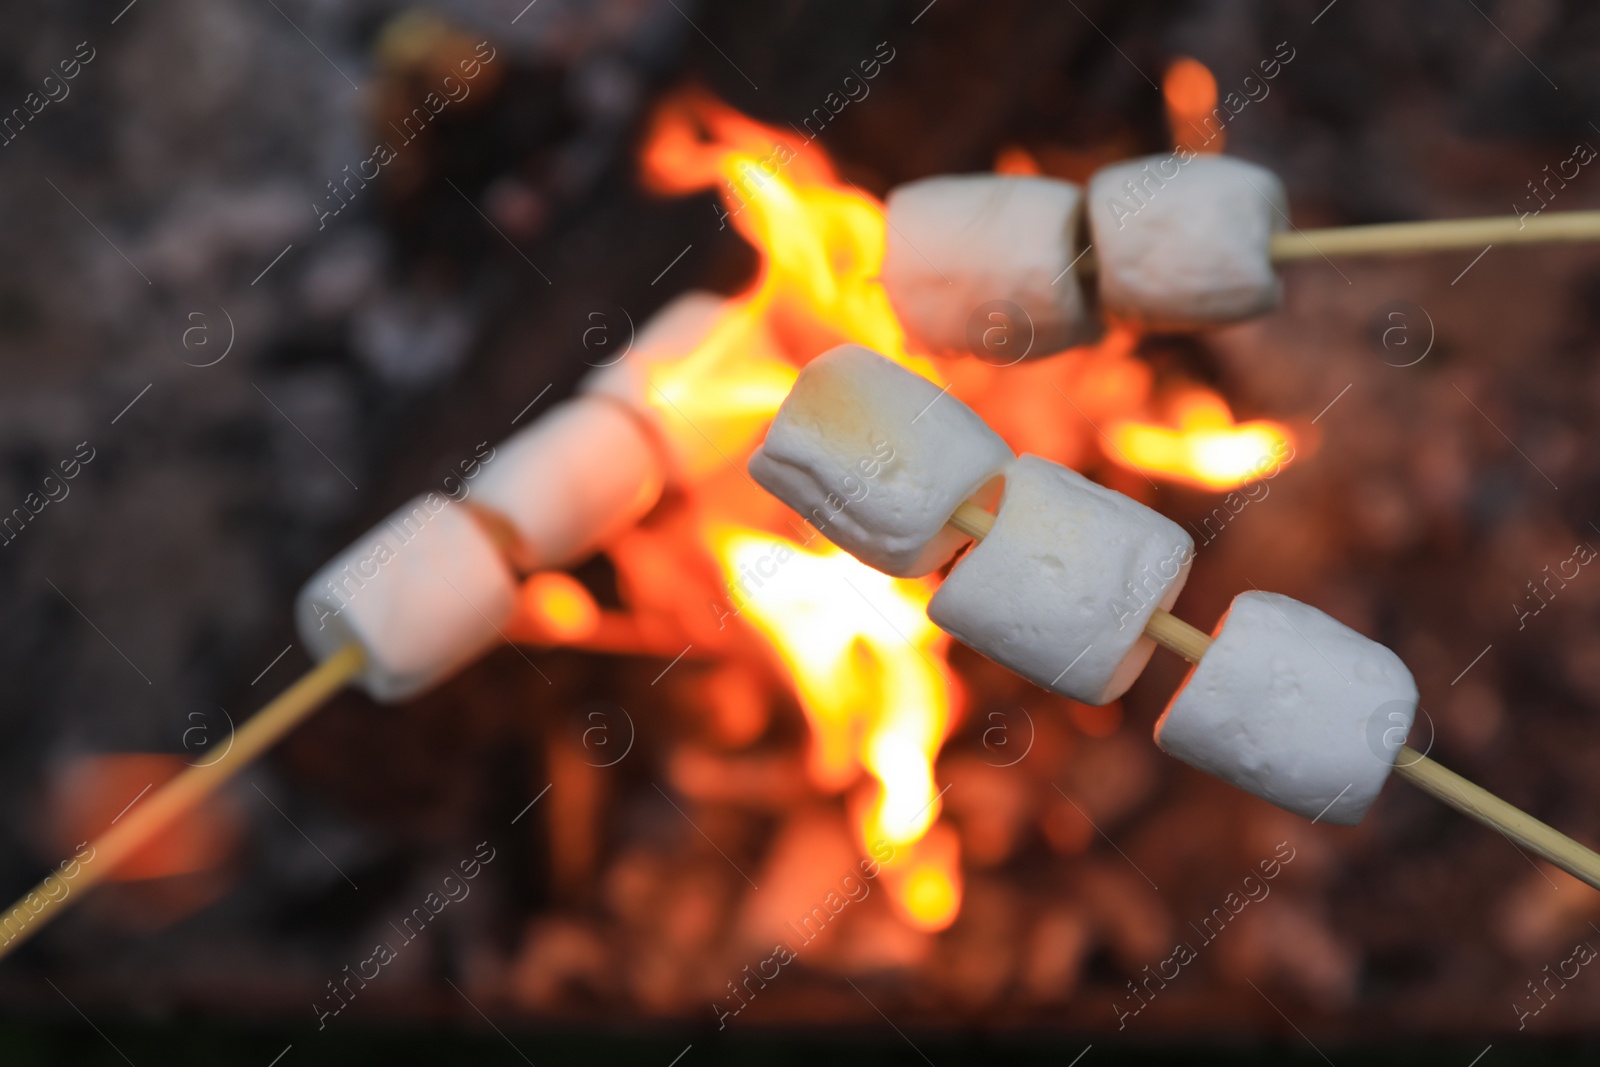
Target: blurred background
x,y
222,359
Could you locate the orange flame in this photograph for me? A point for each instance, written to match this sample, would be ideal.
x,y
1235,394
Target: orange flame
x,y
868,668
1191,94
821,243
1206,448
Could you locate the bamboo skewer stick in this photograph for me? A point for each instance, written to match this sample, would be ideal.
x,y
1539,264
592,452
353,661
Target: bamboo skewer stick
x,y
180,795
291,707
1520,828
1433,235
1436,235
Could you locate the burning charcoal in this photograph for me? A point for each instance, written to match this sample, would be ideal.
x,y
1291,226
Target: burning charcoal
x,y
977,959
877,458
991,805
1284,944
737,701
423,593
1294,707
810,869
1055,951
582,473
765,782
574,813
560,957
1125,911
1184,244
963,247
1110,777
1061,588
1543,913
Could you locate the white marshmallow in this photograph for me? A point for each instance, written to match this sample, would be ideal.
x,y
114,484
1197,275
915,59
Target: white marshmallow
x,y
1186,245
1294,707
584,472
693,441
423,593
957,243
1060,589
877,459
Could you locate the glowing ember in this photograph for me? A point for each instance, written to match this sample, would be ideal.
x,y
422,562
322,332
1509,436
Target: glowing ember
x,y
559,608
1206,448
1191,94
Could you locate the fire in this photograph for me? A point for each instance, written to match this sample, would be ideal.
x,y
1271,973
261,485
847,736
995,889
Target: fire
x,y
821,243
1190,90
866,665
1206,448
868,668
558,608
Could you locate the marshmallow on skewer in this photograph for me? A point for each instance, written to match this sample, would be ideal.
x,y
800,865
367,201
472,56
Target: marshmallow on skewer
x,y
1184,245
958,243
423,593
1061,588
1294,707
676,362
878,458
584,472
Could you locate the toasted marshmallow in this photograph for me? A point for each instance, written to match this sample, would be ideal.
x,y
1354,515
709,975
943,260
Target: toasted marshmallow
x,y
878,459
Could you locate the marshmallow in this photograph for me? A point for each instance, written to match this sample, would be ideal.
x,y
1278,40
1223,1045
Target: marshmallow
x,y
584,472
423,593
878,459
1294,707
1184,245
956,244
1060,589
677,379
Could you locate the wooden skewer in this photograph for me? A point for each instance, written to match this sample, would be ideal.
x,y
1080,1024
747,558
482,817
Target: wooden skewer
x,y
25,918
1439,235
54,893
1474,801
1435,235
